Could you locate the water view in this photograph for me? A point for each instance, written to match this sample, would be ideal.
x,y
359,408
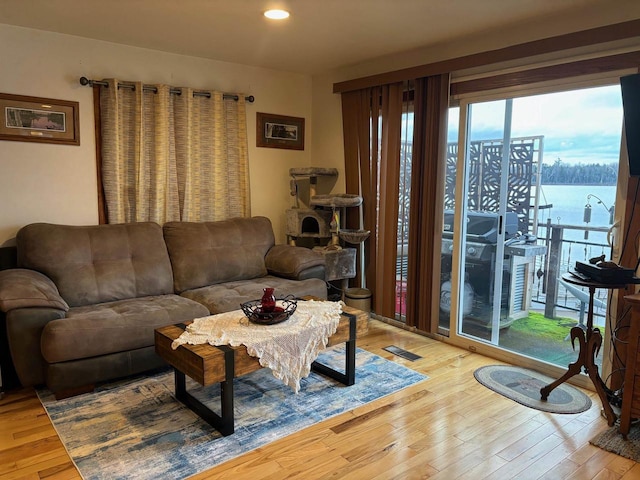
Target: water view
x,y
569,205
569,202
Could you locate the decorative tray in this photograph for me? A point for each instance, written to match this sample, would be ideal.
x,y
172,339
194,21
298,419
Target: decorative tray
x,y
254,312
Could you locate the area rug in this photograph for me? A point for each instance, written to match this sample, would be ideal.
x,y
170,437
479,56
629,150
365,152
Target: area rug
x,y
612,441
136,429
523,386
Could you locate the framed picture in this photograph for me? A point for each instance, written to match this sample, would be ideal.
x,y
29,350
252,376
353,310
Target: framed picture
x,y
35,119
279,131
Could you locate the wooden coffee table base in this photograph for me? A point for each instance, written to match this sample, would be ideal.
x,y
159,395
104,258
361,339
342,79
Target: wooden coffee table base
x,y
207,364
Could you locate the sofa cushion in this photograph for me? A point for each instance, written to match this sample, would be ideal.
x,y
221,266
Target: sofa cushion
x,y
112,327
229,296
20,288
209,253
98,263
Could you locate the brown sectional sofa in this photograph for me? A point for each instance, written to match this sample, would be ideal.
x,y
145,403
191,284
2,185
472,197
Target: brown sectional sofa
x,y
83,304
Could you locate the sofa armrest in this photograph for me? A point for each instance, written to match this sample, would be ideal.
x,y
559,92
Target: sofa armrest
x,y
293,262
22,288
24,331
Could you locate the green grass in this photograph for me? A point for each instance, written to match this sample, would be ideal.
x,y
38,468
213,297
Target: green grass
x,y
545,329
543,338
539,337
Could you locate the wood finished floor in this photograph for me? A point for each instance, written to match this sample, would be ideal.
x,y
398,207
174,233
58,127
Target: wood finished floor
x,y
445,428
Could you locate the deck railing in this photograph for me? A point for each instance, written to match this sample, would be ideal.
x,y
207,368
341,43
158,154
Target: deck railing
x,y
562,254
547,292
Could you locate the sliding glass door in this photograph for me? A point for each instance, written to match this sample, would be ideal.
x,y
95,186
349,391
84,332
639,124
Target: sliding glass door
x,y
496,199
531,182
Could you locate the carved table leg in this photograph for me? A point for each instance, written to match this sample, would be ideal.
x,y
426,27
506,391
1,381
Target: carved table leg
x,y
574,368
593,347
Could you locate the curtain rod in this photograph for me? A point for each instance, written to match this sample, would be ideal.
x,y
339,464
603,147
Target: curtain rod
x,y
149,88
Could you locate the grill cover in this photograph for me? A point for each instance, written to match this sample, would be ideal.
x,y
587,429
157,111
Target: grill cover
x,y
483,226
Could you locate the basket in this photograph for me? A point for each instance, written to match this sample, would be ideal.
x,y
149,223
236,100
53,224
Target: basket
x,y
353,236
253,311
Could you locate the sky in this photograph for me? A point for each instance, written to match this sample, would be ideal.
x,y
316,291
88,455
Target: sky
x,y
582,126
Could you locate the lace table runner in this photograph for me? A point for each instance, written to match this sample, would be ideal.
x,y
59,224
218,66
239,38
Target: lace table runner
x,y
288,348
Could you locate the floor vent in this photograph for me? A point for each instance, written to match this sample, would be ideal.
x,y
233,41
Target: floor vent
x,y
402,353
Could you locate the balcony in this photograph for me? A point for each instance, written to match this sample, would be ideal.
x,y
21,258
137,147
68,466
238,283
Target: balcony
x,y
540,329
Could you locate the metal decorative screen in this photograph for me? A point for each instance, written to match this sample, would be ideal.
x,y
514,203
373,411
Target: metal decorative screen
x,y
484,176
484,183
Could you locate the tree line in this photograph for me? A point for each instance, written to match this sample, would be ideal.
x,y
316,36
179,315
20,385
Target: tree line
x,y
579,174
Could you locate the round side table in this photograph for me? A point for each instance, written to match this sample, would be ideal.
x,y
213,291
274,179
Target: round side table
x,y
589,341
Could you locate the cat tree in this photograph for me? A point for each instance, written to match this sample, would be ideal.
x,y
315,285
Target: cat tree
x,y
318,222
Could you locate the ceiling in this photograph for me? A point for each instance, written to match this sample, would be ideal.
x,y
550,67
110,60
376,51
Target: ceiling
x,y
320,35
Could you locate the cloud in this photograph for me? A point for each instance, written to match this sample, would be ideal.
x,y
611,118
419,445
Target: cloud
x,y
581,126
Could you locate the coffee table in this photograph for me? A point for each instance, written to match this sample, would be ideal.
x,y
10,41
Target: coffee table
x,y
208,364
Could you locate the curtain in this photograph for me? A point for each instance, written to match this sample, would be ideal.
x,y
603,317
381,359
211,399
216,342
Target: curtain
x,y
172,157
372,125
425,216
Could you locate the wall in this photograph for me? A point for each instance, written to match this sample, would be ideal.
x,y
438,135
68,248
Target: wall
x,y
57,183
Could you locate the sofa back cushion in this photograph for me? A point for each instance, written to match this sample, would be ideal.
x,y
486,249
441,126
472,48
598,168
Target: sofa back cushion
x,y
209,253
98,263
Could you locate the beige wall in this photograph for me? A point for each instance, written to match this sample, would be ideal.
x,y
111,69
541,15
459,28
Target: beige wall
x,y
57,183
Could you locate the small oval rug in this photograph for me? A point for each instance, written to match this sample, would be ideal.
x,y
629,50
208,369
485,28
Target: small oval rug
x,y
523,386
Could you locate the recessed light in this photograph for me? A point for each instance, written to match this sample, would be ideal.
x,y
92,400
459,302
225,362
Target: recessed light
x,y
276,14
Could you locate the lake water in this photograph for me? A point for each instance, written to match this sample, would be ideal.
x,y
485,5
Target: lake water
x,y
569,201
568,209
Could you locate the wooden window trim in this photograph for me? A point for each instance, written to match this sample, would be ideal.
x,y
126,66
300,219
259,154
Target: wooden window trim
x,y
594,36
548,73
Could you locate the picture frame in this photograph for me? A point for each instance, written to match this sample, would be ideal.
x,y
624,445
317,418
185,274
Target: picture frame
x,y
279,131
37,119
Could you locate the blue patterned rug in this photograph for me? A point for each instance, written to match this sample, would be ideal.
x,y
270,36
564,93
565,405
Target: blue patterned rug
x,y
136,429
